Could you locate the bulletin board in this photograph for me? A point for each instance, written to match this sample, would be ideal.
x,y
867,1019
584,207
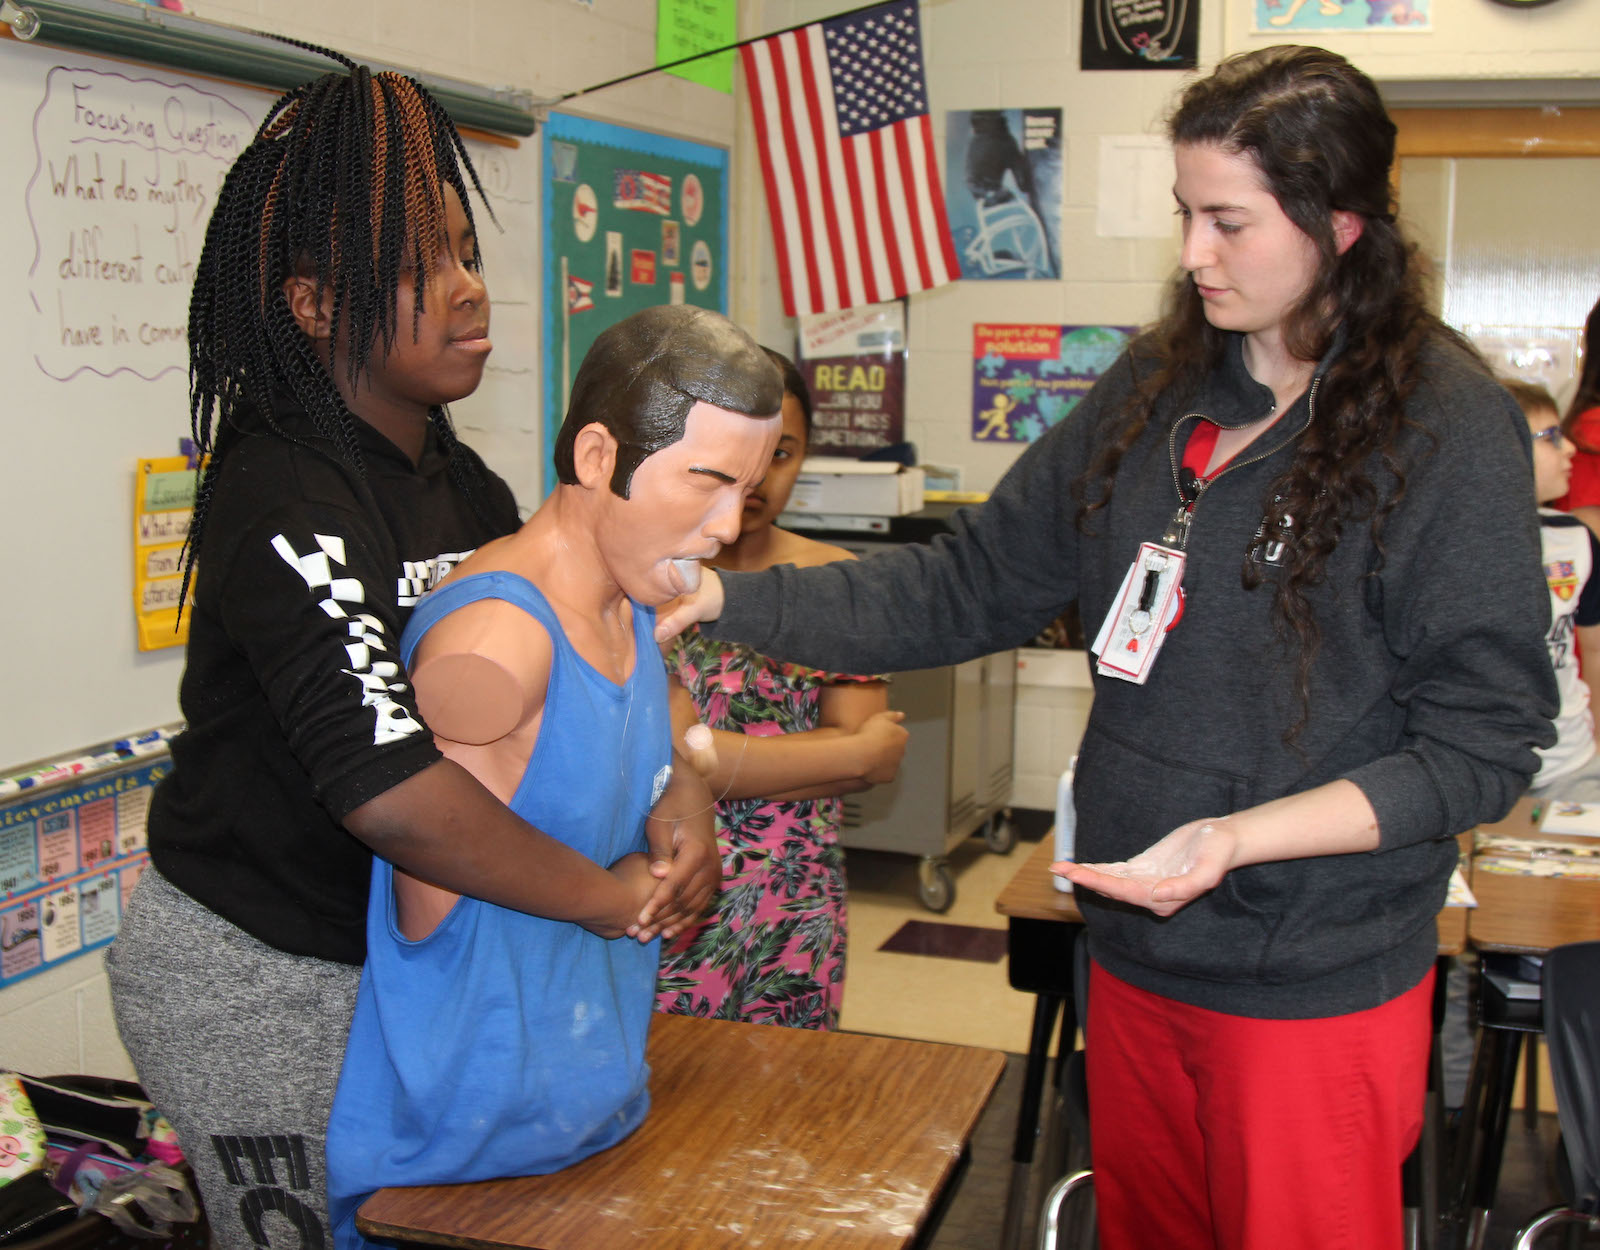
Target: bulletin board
x,y
71,851
631,219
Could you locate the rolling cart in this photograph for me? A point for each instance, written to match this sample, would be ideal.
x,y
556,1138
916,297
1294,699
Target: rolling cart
x,y
956,775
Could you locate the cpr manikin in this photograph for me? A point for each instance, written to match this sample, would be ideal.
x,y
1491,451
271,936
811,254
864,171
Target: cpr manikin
x,y
489,1042
672,421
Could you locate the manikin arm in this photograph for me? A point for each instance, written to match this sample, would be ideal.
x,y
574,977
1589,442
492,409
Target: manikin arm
x,y
480,677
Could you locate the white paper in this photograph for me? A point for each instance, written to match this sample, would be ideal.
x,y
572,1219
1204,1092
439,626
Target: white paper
x,y
853,468
1563,816
1135,188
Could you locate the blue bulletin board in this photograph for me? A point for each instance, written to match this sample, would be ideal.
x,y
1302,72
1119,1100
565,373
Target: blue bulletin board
x,y
72,846
631,219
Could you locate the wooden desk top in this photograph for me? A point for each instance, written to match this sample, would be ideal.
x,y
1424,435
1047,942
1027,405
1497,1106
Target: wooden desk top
x,y
1031,896
1531,914
757,1136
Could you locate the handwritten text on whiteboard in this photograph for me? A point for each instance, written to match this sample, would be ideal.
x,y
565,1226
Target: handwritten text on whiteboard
x,y
126,173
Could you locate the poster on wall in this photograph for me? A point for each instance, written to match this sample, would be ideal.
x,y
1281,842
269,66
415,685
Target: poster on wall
x,y
686,28
622,208
1141,34
163,503
1003,191
854,363
71,851
1026,378
1280,16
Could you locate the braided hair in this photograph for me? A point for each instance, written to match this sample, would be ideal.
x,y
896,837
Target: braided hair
x,y
1317,132
343,184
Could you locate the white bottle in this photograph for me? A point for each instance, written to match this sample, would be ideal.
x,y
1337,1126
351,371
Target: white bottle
x,y
1066,823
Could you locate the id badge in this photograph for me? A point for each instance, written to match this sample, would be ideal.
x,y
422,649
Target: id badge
x,y
1147,605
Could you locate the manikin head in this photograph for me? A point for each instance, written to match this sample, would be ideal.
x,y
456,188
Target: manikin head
x,y
644,374
673,418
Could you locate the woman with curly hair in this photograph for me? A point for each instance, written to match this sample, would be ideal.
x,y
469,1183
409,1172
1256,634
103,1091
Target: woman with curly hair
x,y
1298,504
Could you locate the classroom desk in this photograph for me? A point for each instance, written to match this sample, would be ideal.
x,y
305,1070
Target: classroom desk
x,y
757,1136
1521,915
1043,924
1529,915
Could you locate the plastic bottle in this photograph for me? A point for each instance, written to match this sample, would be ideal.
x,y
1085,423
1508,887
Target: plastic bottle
x,y
1066,822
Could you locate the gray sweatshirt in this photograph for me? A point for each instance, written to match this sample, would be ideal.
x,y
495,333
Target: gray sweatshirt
x,y
1429,691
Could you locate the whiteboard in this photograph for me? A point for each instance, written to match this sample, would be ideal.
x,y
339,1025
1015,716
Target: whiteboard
x,y
108,172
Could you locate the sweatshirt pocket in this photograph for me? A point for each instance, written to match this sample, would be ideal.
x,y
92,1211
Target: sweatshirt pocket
x,y
1128,799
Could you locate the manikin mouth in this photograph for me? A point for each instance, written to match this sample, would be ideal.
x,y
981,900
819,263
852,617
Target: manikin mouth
x,y
686,574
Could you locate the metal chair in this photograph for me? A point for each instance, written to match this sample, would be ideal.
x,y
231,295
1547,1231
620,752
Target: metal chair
x,y
1572,1035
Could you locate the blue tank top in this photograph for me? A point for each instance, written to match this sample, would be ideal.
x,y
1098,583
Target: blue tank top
x,y
504,1044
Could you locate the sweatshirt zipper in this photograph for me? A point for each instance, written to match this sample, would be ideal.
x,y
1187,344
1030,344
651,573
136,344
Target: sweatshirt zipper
x,y
1177,532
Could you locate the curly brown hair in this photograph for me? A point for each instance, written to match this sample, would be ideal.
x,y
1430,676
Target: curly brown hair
x,y
1316,130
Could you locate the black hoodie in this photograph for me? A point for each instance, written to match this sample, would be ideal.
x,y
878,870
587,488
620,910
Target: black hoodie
x,y
298,708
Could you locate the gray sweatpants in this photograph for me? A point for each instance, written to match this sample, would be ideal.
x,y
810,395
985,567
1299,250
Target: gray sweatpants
x,y
239,1045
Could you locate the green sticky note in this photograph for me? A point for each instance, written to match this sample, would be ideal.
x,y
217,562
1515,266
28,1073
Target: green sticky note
x,y
684,27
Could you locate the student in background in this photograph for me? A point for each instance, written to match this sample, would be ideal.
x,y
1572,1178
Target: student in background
x,y
1570,769
1582,428
789,741
1268,814
338,307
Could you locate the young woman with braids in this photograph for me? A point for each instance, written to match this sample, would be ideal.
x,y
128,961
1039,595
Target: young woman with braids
x,y
338,307
1355,672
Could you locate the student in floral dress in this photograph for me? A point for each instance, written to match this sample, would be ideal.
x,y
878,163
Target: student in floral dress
x,y
789,741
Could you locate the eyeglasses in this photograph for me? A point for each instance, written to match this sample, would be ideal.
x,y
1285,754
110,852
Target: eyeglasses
x,y
1550,434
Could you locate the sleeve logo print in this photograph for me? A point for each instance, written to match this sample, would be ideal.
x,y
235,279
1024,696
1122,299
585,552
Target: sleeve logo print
x,y
371,661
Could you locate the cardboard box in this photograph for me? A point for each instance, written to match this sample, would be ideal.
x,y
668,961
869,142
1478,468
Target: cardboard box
x,y
837,484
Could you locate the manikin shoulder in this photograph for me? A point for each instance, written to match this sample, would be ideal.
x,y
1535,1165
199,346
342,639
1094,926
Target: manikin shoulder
x,y
481,673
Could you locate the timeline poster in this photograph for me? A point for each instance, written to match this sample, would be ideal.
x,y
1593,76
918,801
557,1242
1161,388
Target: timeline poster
x,y
69,858
854,364
631,219
1026,378
1141,34
163,503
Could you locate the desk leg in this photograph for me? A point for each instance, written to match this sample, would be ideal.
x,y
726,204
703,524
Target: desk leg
x,y
1044,1018
1502,1047
1419,1177
1053,1115
1530,1085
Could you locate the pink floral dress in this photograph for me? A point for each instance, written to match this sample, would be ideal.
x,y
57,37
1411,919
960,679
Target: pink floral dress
x,y
771,950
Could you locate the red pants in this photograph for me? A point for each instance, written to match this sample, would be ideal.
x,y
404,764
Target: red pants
x,y
1218,1132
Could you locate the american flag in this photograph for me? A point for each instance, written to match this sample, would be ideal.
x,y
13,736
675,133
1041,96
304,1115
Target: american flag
x,y
580,295
841,117
642,192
